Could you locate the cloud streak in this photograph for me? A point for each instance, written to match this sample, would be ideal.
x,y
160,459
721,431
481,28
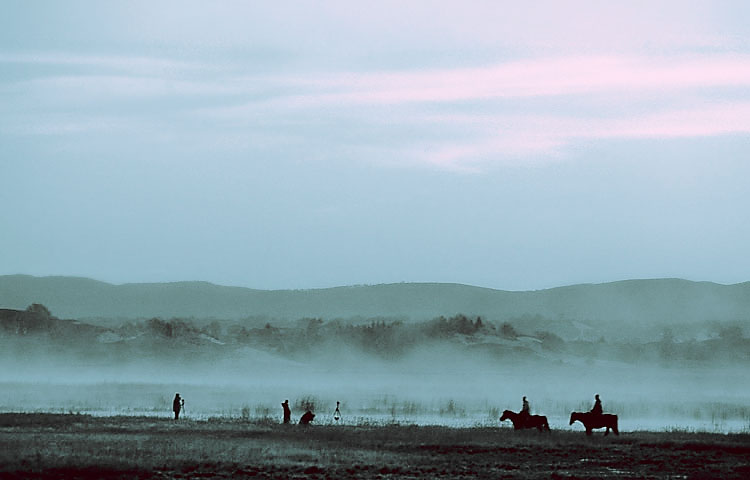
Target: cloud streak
x,y
529,78
132,64
511,138
605,97
612,96
553,76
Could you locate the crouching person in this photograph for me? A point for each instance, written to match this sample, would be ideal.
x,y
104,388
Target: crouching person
x,y
307,418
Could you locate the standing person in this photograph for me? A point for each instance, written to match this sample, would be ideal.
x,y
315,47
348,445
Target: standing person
x,y
337,413
177,404
597,409
287,411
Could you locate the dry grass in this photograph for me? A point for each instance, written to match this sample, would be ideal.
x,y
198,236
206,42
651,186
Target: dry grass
x,y
79,446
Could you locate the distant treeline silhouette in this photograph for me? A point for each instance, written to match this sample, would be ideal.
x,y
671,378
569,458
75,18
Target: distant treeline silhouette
x,y
382,337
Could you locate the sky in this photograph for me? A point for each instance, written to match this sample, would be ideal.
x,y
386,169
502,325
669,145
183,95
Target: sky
x,y
274,145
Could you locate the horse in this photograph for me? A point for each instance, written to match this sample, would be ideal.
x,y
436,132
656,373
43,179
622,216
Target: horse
x,y
594,420
533,421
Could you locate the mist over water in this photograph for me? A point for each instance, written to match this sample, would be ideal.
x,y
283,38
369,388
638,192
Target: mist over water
x,y
627,342
432,385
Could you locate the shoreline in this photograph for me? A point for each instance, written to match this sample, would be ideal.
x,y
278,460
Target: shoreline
x,y
71,445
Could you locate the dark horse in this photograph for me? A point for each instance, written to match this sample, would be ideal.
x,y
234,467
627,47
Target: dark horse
x,y
594,420
534,421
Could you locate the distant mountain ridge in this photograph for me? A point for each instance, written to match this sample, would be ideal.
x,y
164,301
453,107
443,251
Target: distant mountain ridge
x,y
668,301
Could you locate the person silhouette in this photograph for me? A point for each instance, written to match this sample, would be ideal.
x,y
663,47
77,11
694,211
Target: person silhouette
x,y
177,404
597,408
287,411
306,418
525,413
337,412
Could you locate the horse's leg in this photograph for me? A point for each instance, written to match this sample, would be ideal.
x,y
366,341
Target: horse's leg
x,y
606,432
588,431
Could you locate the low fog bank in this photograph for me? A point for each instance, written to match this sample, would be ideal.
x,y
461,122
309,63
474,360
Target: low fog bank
x,y
432,386
27,334
457,371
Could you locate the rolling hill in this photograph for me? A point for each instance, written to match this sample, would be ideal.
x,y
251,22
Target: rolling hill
x,y
634,302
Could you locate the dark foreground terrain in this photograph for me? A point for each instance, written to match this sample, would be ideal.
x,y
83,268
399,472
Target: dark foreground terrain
x,y
80,446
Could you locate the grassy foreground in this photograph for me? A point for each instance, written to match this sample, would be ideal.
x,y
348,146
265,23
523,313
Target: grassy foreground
x,y
80,446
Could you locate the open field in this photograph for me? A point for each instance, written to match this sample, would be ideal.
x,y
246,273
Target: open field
x,y
79,446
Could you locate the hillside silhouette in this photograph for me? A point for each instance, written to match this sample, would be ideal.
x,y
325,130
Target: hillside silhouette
x,y
635,303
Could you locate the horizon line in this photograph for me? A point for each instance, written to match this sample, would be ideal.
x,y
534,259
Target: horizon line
x,y
363,285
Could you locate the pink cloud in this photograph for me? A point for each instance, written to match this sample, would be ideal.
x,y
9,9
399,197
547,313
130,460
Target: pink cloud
x,y
510,139
538,77
688,96
602,87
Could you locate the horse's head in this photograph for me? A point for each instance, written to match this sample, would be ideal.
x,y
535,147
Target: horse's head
x,y
506,415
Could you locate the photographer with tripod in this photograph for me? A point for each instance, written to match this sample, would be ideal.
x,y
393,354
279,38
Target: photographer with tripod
x,y
178,404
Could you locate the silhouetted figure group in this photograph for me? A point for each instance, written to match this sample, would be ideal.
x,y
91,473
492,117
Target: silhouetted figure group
x,y
308,416
595,418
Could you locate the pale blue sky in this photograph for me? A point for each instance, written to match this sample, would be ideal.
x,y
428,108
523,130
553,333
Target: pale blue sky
x,y
314,144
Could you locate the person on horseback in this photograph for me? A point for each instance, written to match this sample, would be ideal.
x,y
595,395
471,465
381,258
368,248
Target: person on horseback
x,y
597,409
525,412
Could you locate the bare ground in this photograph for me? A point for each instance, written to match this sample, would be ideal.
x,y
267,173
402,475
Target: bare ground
x,y
48,446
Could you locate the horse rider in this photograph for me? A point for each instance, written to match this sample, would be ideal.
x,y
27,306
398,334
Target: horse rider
x,y
597,409
525,413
